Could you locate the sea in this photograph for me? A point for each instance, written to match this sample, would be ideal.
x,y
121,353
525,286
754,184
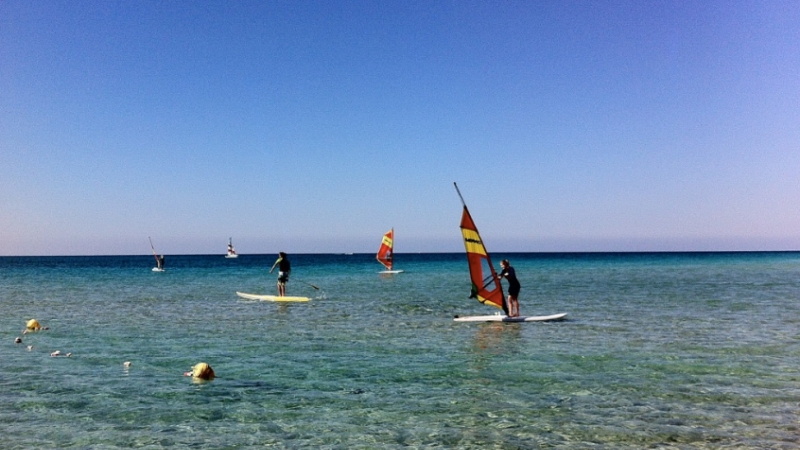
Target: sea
x,y
658,351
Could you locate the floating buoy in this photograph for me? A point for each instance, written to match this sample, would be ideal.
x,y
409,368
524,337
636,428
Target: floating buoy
x,y
202,371
33,325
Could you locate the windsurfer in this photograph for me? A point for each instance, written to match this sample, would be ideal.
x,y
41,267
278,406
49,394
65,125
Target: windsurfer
x,y
160,262
284,268
386,250
513,287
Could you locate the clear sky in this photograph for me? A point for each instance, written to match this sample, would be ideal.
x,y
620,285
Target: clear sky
x,y
316,126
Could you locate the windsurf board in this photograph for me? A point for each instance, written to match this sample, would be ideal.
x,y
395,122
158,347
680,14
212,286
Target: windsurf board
x,y
503,318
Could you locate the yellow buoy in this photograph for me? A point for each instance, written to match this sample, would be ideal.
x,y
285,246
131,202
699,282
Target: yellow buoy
x,y
33,324
203,371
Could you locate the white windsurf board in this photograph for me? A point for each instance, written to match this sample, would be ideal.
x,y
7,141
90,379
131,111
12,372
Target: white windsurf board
x,y
503,318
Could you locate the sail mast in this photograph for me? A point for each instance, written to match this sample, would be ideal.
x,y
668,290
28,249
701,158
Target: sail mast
x,y
155,255
390,254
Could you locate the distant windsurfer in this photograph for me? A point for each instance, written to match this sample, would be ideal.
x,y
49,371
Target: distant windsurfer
x,y
160,262
284,268
513,287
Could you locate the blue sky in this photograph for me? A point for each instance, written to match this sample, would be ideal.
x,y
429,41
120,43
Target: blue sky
x,y
315,126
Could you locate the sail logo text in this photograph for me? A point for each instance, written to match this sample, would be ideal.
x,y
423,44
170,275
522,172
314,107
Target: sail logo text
x,y
472,241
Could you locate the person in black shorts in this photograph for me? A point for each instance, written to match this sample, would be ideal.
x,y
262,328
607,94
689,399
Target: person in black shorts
x,y
513,287
284,268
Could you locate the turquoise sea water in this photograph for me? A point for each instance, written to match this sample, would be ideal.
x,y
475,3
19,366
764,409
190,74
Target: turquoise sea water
x,y
673,351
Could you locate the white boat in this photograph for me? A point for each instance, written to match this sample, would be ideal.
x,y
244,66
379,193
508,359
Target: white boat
x,y
231,251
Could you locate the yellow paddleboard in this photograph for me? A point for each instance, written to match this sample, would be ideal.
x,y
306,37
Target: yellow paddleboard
x,y
272,298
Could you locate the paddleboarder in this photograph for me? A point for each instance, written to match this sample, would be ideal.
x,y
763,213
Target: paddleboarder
x,y
284,268
513,287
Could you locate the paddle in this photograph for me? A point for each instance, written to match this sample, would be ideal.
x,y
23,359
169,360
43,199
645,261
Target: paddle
x,y
308,284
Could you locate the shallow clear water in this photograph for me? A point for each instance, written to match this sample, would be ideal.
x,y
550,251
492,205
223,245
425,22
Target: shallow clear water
x,y
680,351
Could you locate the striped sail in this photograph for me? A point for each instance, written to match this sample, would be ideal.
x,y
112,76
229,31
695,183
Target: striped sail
x,y
386,251
486,286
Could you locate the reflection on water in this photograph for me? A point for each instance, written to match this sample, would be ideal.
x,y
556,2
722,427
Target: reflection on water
x,y
493,340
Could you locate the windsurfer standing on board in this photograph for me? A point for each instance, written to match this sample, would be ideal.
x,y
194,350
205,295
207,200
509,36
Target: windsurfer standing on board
x,y
513,287
284,268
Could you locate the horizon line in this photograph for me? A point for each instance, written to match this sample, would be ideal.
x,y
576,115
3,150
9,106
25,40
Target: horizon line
x,y
569,252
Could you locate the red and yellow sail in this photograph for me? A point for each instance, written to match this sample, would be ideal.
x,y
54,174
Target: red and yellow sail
x,y
386,251
485,283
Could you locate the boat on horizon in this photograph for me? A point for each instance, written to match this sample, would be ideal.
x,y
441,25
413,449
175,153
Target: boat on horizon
x,y
231,251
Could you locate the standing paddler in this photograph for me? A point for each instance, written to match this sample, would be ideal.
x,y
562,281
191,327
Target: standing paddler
x,y
284,268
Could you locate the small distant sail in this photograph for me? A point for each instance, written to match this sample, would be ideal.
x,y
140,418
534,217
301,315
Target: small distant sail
x,y
486,286
159,260
231,250
386,251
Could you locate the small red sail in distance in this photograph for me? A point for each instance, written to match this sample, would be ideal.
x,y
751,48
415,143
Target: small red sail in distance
x,y
386,251
485,284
